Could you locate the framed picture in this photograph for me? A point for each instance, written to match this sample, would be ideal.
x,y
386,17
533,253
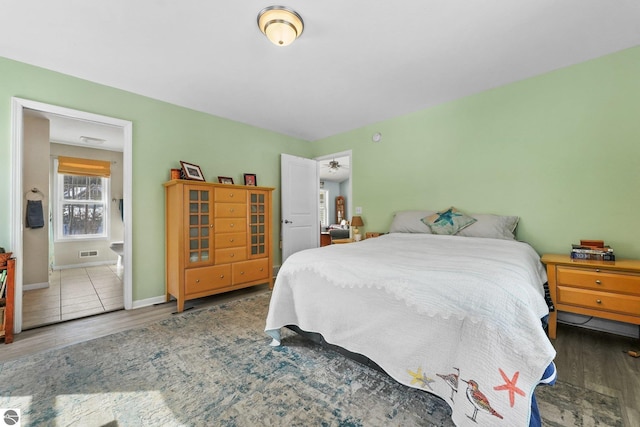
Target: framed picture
x,y
192,171
225,180
250,179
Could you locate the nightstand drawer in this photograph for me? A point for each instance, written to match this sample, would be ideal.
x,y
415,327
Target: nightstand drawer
x,y
599,279
615,303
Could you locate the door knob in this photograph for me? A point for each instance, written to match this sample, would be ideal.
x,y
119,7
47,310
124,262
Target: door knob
x,y
286,221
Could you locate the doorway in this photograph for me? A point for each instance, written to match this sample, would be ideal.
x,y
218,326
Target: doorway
x,y
21,110
334,171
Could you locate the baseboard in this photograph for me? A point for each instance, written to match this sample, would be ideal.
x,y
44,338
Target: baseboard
x,y
83,265
34,286
148,301
598,324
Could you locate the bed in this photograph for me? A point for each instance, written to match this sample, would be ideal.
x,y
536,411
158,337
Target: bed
x,y
457,316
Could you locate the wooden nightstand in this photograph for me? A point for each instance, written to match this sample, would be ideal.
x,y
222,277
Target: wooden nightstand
x,y
339,241
607,289
371,234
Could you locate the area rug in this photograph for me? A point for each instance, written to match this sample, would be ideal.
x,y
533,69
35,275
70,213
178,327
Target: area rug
x,y
214,367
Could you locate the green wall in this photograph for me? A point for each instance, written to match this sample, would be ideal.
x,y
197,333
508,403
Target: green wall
x,y
163,134
560,150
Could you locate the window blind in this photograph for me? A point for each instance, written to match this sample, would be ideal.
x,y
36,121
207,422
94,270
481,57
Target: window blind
x,y
83,167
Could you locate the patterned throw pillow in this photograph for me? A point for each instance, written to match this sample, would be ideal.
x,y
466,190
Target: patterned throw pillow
x,y
448,222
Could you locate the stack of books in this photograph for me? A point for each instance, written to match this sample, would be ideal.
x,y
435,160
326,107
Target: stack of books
x,y
593,250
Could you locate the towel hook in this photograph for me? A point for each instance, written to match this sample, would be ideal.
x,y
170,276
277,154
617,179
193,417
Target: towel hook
x,y
35,191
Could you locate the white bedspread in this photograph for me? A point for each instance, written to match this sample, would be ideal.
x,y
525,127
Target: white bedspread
x,y
428,308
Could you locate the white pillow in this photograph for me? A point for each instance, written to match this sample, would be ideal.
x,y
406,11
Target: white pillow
x,y
410,222
493,226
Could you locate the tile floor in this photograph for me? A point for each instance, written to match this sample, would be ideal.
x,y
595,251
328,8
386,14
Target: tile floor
x,y
72,294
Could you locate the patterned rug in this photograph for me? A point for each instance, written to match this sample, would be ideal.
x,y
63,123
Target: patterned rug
x,y
214,367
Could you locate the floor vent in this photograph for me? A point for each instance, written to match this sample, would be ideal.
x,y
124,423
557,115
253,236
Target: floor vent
x,y
88,254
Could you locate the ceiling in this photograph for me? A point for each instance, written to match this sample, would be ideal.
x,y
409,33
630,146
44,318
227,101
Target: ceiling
x,y
356,63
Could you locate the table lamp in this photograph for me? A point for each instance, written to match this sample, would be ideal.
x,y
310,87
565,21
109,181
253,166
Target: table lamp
x,y
356,221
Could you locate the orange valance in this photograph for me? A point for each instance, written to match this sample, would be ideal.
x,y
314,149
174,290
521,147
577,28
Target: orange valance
x,y
83,167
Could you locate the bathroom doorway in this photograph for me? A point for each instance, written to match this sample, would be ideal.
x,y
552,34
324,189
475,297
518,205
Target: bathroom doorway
x,y
88,274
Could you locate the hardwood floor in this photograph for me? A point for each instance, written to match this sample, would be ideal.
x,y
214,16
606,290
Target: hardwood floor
x,y
599,361
586,358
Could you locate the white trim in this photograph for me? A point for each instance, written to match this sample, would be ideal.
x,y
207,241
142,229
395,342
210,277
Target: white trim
x,y
150,301
83,265
16,217
34,286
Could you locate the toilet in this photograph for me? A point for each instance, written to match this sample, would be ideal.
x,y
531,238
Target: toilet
x,y
118,248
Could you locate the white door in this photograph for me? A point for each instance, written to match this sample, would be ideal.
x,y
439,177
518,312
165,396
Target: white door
x,y
299,210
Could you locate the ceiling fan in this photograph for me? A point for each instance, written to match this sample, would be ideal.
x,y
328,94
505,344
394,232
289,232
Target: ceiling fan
x,y
334,166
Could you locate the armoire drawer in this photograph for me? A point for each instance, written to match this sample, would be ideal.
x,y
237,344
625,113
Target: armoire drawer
x,y
605,301
230,240
230,210
229,225
249,271
202,279
226,194
223,256
599,279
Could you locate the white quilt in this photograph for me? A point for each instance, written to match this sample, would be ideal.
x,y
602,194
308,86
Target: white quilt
x,y
456,316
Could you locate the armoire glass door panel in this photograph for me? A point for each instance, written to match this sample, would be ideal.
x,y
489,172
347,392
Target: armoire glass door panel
x,y
199,225
257,222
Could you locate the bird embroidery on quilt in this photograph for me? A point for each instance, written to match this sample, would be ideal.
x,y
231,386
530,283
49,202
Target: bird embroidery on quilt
x,y
420,378
478,400
510,384
452,381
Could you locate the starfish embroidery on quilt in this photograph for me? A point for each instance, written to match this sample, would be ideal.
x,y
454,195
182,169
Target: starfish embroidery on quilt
x,y
452,381
510,384
420,378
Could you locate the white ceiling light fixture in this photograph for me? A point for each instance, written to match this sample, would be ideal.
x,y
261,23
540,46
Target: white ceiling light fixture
x,y
280,24
92,140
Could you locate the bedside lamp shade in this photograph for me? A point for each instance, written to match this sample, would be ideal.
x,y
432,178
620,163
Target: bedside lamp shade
x,y
356,221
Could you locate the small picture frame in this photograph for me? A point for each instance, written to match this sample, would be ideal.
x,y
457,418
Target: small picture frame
x,y
250,179
192,171
225,180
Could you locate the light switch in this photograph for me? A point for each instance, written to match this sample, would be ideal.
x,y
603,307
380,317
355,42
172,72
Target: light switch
x,y
358,210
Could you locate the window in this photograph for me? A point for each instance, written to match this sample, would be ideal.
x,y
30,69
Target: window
x,y
81,207
324,210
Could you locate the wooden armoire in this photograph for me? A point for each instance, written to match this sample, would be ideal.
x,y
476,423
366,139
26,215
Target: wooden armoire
x,y
218,238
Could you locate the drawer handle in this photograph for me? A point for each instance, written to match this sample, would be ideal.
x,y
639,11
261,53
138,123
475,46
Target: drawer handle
x,y
597,270
261,269
599,301
211,226
230,194
242,272
197,280
598,282
231,240
232,210
232,255
222,276
232,225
